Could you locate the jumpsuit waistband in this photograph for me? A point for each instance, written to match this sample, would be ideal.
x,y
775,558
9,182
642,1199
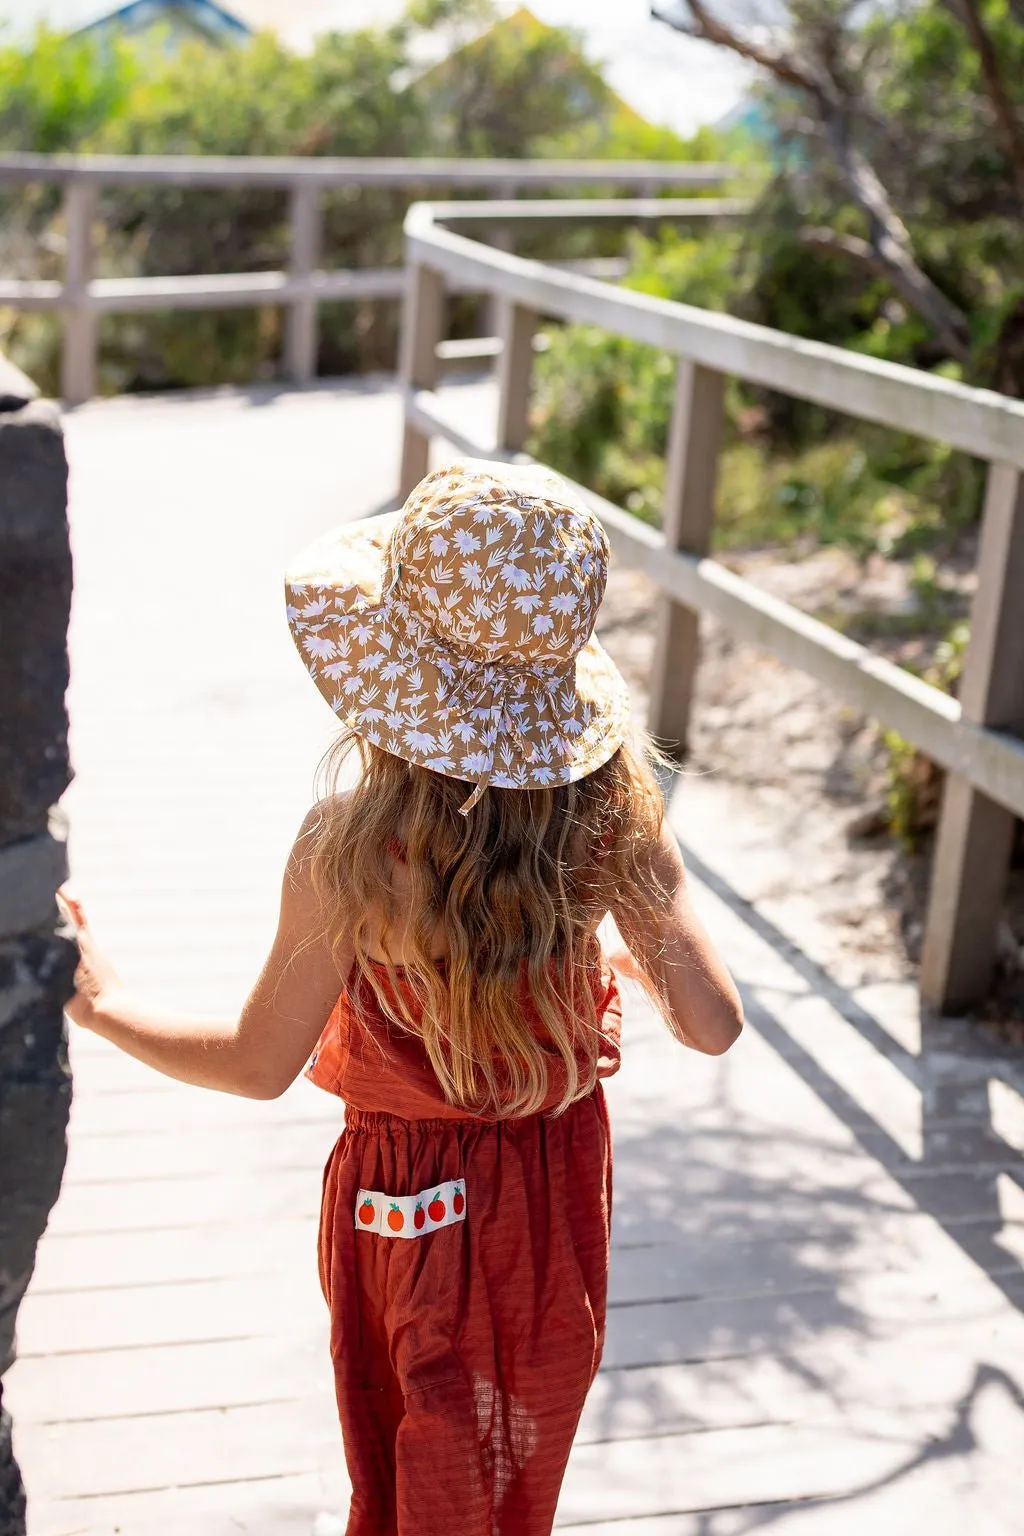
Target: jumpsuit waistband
x,y
370,1122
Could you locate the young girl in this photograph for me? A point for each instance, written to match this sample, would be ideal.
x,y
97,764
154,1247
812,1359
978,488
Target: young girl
x,y
437,965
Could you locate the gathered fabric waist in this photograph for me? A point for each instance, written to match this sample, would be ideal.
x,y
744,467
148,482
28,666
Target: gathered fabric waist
x,y
371,1122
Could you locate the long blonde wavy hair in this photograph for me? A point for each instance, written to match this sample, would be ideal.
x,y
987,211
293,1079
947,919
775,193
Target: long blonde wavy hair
x,y
518,887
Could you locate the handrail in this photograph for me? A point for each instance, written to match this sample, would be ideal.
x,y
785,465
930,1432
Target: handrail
x,y
976,736
978,421
359,171
80,298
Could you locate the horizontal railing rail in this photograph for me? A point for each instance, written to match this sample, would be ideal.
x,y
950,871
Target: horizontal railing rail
x,y
978,421
977,737
81,297
357,171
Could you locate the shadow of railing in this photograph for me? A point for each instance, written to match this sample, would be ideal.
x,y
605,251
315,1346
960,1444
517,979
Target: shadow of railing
x,y
952,1074
764,1270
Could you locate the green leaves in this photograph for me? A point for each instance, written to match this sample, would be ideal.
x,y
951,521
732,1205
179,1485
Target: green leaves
x,y
57,93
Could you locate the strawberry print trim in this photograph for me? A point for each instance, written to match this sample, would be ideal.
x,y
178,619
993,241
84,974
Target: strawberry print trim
x,y
442,1205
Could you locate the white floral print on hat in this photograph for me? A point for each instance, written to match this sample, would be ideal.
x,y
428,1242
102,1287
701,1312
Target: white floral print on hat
x,y
458,633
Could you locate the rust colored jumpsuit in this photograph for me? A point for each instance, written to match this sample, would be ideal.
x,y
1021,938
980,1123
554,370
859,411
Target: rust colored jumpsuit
x,y
465,1265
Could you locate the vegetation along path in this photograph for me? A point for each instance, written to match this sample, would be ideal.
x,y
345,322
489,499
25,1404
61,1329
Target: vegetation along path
x,y
817,1279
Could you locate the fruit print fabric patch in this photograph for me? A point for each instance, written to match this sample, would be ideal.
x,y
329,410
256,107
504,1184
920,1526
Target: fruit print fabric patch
x,y
442,1205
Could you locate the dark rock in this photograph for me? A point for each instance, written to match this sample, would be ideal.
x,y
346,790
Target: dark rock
x,y
35,596
37,959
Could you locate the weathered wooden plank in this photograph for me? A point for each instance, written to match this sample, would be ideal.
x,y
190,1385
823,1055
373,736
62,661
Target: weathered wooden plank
x,y
422,328
196,1449
86,1261
505,212
116,1385
853,1379
185,1203
675,1332
688,511
131,1110
359,170
221,290
773,1463
870,1262
301,325
78,351
68,1265
32,293
975,839
930,1497
100,1159
517,328
159,1315
271,1505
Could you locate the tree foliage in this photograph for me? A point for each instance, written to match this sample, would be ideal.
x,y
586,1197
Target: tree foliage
x,y
902,136
516,91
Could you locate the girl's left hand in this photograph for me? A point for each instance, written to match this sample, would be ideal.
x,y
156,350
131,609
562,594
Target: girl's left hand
x,y
95,978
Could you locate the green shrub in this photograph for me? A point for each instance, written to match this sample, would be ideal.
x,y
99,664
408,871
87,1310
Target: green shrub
x,y
522,90
59,91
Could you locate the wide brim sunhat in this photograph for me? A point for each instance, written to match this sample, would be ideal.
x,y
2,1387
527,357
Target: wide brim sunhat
x,y
458,633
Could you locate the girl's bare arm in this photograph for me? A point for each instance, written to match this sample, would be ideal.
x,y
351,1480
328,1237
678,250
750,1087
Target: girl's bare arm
x,y
676,960
261,1052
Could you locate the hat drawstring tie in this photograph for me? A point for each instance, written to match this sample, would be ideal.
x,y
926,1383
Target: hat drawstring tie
x,y
504,718
498,711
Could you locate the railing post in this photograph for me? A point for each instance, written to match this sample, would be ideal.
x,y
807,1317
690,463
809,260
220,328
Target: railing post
x,y
975,837
78,354
515,366
422,329
691,473
495,317
300,343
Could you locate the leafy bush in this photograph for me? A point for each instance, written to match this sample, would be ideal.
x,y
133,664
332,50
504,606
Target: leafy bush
x,y
521,90
57,93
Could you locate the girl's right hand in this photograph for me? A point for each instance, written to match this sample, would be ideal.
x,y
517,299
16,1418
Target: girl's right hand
x,y
95,978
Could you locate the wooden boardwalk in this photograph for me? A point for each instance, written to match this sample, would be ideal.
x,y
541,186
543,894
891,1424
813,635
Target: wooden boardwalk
x,y
818,1275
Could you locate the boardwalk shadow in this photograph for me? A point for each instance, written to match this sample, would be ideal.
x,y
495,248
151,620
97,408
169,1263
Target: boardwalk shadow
x,y
964,1156
769,1274
729,1263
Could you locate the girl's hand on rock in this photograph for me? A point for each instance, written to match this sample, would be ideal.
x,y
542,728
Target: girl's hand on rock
x,y
95,979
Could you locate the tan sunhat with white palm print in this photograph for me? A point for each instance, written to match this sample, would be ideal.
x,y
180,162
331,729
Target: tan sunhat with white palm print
x,y
458,633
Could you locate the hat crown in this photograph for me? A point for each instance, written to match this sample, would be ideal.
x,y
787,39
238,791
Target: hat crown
x,y
508,569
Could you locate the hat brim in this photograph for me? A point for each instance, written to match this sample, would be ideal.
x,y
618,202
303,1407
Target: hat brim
x,y
396,685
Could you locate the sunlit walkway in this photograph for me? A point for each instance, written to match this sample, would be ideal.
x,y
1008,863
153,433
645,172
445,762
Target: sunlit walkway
x,y
818,1275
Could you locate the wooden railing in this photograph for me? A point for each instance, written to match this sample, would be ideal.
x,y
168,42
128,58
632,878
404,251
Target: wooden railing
x,y
81,298
976,737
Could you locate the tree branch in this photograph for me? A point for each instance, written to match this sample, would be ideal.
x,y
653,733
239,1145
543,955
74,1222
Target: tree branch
x,y
916,291
821,238
889,237
788,67
1007,122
